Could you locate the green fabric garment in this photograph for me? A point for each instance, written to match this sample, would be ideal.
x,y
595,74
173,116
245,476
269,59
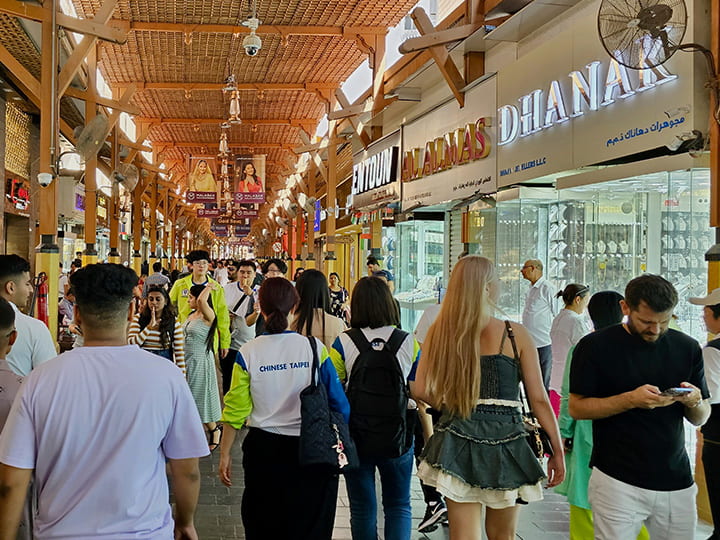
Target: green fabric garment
x,y
179,298
238,401
577,462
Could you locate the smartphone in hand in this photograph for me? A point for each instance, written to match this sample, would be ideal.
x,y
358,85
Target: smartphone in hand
x,y
676,392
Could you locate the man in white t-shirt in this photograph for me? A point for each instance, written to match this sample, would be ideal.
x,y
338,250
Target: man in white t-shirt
x,y
241,298
96,426
34,344
540,310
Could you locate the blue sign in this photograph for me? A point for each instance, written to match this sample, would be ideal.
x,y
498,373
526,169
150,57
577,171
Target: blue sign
x,y
316,222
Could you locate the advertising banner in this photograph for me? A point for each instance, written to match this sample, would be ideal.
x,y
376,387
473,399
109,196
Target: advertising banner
x,y
249,179
449,153
202,180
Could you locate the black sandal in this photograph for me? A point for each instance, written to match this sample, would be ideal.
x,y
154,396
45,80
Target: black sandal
x,y
211,436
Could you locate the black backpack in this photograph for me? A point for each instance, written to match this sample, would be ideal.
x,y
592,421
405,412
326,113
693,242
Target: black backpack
x,y
378,396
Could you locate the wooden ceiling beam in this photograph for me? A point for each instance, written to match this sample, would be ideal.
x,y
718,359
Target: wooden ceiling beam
x,y
130,144
306,87
295,122
82,49
105,102
213,145
440,54
347,32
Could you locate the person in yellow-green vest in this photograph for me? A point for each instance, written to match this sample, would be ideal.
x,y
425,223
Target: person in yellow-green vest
x,y
200,262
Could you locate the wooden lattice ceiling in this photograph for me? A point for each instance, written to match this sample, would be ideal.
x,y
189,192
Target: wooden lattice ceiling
x,y
180,53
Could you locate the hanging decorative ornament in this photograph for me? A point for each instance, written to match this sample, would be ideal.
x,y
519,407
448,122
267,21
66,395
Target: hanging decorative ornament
x,y
224,167
234,107
223,148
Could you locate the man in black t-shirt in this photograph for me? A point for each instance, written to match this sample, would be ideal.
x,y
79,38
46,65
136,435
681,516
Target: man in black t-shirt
x,y
619,378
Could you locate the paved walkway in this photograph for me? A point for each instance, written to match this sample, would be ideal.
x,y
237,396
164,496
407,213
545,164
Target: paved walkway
x,y
218,514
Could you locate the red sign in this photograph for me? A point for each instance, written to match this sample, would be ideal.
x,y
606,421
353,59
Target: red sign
x,y
208,213
245,213
201,196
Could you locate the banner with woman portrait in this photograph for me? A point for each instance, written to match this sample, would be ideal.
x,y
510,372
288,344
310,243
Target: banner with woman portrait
x,y
249,181
202,180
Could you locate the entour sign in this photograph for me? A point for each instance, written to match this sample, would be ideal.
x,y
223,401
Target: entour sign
x,y
569,98
457,147
376,174
376,171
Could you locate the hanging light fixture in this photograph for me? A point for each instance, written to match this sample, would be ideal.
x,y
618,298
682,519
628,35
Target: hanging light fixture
x,y
234,117
223,148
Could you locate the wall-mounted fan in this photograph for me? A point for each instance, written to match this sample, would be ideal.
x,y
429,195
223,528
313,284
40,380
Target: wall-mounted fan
x,y
127,175
92,137
642,34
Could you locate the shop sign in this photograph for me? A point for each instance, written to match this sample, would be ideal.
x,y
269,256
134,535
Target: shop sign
x,y
567,104
208,212
449,154
375,173
245,213
18,192
228,221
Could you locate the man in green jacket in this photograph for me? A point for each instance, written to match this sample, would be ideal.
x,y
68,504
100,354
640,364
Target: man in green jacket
x,y
200,261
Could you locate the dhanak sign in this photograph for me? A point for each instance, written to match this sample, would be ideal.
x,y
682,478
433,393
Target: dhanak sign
x,y
567,104
448,154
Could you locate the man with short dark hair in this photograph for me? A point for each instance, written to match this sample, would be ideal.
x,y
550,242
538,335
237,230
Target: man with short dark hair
x,y
34,344
200,262
241,298
374,269
156,279
97,424
638,382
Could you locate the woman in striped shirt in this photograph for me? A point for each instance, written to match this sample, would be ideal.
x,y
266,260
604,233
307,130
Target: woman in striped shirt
x,y
157,330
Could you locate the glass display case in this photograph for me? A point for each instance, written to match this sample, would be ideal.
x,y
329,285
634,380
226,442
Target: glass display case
x,y
657,223
604,234
420,267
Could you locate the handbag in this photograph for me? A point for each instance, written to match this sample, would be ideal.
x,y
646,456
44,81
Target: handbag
x,y
324,435
537,437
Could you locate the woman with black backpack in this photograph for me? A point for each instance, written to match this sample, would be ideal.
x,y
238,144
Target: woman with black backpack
x,y
376,360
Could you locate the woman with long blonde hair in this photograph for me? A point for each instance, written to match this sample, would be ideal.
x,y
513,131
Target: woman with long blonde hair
x,y
479,454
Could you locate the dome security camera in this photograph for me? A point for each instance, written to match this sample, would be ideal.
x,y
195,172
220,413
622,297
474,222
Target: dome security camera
x,y
252,44
44,179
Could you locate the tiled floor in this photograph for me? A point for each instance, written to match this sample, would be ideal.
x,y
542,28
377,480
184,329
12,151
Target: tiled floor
x,y
218,514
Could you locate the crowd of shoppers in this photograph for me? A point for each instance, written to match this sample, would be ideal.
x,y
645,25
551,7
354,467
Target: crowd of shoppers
x,y
145,383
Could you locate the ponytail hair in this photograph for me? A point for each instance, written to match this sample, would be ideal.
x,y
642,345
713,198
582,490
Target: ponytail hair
x,y
572,291
277,298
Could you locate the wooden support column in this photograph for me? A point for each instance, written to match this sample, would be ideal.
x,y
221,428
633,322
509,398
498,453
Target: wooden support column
x,y
376,241
713,254
137,226
377,63
114,204
90,254
47,257
165,233
312,192
299,230
152,256
329,265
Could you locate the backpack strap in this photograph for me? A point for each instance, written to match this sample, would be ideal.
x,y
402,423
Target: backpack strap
x,y
359,339
397,338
